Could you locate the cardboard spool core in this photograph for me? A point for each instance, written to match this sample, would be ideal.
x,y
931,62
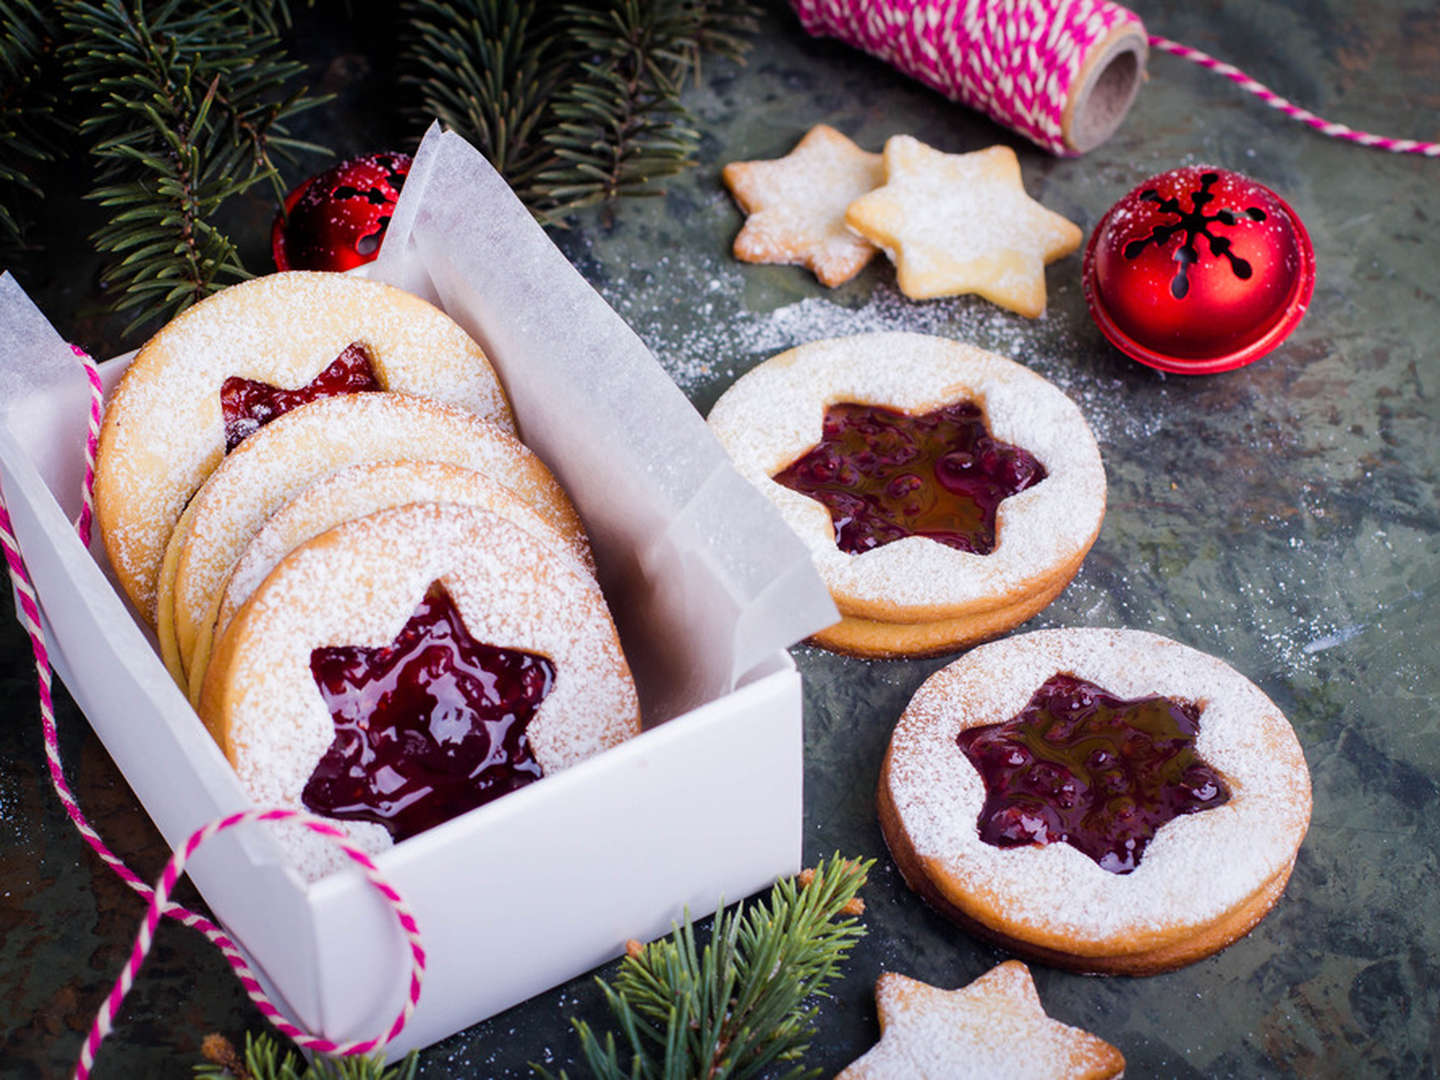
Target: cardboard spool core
x,y
1105,88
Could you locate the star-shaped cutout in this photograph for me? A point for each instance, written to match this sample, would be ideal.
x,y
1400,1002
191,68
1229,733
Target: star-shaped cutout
x,y
247,405
995,1027
962,223
796,205
427,727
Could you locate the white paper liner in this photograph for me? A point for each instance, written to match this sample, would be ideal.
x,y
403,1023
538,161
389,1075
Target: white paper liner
x,y
577,375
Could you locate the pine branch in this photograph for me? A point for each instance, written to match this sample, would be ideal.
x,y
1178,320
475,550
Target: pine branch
x,y
189,109
264,1059
488,68
29,119
621,124
742,1004
574,103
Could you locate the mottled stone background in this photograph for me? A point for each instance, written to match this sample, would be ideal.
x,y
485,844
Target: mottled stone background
x,y
1283,516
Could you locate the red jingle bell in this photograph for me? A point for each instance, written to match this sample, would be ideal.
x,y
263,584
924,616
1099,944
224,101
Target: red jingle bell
x,y
336,219
1199,270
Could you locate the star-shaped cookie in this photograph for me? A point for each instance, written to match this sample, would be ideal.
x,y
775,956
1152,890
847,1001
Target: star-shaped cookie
x,y
962,223
796,205
993,1028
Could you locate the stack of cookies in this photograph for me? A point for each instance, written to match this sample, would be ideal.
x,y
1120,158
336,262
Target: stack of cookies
x,y
381,602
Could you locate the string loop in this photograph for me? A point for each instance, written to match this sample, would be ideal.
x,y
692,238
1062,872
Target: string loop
x,y
27,613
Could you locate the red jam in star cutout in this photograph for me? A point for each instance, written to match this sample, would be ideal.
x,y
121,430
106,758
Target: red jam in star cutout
x,y
1100,773
885,475
247,405
427,727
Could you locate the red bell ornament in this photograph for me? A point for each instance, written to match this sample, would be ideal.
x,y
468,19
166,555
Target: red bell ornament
x,y
336,219
1199,270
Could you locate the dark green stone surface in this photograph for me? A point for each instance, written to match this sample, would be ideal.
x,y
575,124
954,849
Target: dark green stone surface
x,y
1283,516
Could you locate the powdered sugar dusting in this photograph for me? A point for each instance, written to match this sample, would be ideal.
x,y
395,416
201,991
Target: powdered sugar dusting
x,y
774,413
1198,866
357,585
363,489
273,465
164,432
991,1028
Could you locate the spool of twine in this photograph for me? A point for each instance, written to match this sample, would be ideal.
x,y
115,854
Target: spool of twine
x,y
1063,73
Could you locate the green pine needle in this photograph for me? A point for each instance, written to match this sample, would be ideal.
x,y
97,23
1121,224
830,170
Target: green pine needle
x,y
189,102
741,1005
30,120
265,1059
573,103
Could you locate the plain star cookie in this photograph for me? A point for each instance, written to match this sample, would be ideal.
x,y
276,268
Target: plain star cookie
x,y
796,205
1107,801
994,1027
962,223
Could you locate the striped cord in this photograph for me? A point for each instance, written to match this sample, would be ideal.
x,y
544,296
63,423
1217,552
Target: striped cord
x,y
27,612
1290,109
1017,60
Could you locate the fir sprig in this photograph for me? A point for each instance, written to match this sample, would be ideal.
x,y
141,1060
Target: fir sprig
x,y
190,108
574,103
621,125
488,68
264,1059
744,1003
30,121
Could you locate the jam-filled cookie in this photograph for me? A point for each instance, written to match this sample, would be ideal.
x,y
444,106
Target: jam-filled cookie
x,y
946,494
1103,800
220,370
275,463
408,666
994,1027
355,492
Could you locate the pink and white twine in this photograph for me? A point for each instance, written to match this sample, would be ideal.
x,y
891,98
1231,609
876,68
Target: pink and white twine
x,y
1017,60
27,611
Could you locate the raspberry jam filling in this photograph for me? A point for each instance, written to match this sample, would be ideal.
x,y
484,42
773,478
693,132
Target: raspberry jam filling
x,y
885,475
1100,773
426,727
247,405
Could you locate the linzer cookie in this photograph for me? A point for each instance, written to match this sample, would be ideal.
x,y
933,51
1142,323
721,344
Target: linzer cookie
x,y
1103,800
946,494
962,223
245,355
355,492
276,463
796,205
994,1027
408,666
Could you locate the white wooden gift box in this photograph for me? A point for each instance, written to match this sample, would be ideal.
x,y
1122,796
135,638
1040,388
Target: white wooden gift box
x,y
707,585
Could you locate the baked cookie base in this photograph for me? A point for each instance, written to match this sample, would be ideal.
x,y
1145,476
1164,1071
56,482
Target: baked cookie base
x,y
877,639
1186,949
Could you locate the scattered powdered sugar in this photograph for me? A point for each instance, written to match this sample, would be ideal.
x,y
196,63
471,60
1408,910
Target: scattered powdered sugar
x,y
774,413
273,465
164,431
1198,867
357,585
993,1027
